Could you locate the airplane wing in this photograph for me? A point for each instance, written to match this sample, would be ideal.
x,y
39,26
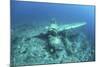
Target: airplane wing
x,y
72,26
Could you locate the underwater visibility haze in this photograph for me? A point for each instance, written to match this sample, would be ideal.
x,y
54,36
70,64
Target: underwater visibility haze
x,y
51,33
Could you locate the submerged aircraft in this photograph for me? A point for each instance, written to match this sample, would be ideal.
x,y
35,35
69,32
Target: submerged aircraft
x,y
55,35
55,30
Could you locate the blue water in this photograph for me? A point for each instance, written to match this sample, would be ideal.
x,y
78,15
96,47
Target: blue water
x,y
42,13
39,13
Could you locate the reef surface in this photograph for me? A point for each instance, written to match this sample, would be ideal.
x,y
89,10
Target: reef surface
x,y
32,51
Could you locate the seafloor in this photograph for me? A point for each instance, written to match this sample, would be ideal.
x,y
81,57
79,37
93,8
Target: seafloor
x,y
26,50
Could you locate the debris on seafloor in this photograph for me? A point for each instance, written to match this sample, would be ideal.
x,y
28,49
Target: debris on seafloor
x,y
56,45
